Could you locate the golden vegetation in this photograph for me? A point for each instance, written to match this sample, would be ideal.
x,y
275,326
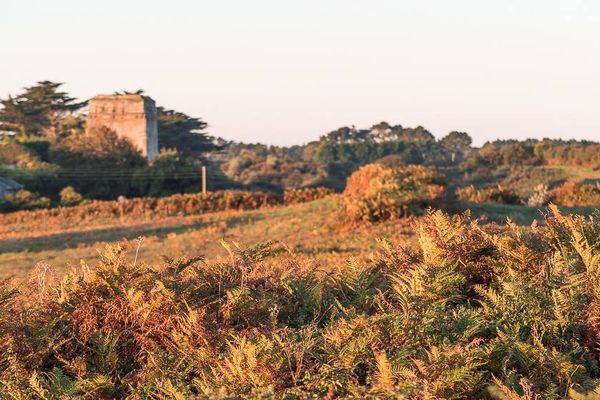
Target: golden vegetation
x,y
183,204
296,196
577,194
376,192
477,311
494,194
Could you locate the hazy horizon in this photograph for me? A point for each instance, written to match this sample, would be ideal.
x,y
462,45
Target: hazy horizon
x,y
285,74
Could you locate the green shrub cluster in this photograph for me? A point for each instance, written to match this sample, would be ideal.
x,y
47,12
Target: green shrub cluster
x,y
70,197
533,152
376,192
23,200
477,312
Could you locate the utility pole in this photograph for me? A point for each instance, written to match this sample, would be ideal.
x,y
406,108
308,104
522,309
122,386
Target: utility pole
x,y
203,179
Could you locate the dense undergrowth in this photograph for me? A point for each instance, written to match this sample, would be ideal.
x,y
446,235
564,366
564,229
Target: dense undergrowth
x,y
476,312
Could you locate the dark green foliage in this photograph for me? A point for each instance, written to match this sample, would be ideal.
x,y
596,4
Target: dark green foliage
x,y
14,153
100,148
170,173
23,200
533,152
38,111
457,144
179,131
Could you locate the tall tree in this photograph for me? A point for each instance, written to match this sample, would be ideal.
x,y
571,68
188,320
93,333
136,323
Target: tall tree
x,y
458,144
177,130
39,111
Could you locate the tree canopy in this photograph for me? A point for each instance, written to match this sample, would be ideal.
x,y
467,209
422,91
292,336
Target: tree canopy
x,y
41,110
177,130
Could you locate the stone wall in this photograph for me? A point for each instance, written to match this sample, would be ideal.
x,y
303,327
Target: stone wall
x,y
131,116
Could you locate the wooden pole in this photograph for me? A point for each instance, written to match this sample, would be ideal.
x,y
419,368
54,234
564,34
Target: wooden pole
x,y
203,179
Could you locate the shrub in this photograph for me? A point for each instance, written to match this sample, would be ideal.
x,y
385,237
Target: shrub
x,y
99,148
295,196
376,192
150,207
495,194
70,197
572,193
23,200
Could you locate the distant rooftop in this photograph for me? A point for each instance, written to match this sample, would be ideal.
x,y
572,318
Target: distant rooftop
x,y
9,185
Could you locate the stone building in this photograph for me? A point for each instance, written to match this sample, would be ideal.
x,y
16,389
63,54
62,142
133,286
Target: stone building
x,y
131,116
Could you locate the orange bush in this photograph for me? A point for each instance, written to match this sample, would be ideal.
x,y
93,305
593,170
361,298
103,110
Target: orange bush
x,y
571,194
376,192
295,196
149,207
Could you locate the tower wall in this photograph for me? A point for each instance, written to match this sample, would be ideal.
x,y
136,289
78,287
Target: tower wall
x,y
132,117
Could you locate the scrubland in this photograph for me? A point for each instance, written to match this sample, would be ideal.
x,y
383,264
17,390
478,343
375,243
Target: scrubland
x,y
370,293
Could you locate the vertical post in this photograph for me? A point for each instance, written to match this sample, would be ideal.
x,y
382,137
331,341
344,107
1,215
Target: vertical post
x,y
203,179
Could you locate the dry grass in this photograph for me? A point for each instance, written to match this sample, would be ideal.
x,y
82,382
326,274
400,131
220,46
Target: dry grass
x,y
309,228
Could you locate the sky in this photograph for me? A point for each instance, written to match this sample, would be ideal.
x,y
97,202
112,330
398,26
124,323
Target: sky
x,y
285,72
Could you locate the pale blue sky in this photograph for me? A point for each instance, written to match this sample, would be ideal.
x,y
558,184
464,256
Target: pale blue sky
x,y
285,72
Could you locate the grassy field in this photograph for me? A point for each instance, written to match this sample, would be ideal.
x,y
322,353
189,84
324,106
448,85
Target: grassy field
x,y
310,228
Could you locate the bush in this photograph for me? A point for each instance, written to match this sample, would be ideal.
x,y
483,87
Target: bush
x,y
23,200
94,150
150,207
571,194
476,312
376,192
296,196
495,194
70,197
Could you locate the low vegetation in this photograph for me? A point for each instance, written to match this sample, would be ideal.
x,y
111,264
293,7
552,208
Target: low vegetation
x,y
477,312
296,196
577,194
567,194
23,200
75,209
341,297
494,194
147,207
376,192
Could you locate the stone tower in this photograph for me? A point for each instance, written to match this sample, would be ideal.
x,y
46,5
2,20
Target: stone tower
x,y
131,116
